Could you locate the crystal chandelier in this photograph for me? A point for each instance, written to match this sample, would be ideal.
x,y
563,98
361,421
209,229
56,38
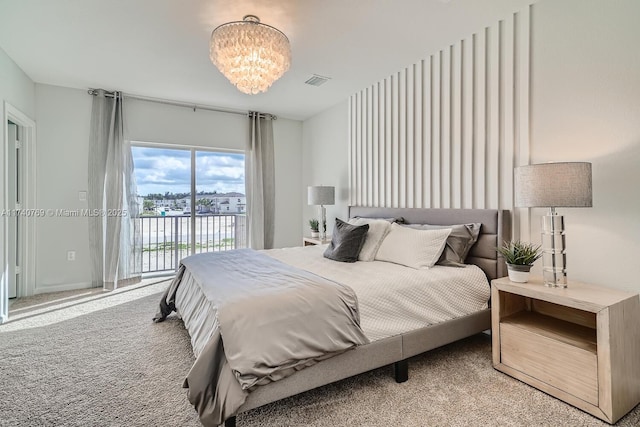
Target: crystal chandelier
x,y
250,54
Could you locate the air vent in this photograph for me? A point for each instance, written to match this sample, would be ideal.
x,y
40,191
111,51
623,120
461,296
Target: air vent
x,y
317,80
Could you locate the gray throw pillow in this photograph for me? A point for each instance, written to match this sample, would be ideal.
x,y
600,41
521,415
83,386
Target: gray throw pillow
x,y
459,242
346,241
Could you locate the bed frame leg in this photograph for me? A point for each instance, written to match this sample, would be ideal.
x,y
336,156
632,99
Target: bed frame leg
x,y
401,371
230,422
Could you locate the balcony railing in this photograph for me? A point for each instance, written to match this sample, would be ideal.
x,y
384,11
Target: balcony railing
x,y
168,239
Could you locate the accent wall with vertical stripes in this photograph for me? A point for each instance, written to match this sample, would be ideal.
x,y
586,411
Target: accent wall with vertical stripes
x,y
447,131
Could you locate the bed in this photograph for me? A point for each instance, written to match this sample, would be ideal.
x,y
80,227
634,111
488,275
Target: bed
x,y
382,345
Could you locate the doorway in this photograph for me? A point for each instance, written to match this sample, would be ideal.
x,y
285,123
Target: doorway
x,y
194,201
14,208
17,185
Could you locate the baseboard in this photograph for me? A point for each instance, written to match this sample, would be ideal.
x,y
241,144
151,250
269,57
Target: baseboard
x,y
60,288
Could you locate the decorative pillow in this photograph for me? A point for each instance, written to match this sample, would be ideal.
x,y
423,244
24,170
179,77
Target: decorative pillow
x,y
346,241
378,229
414,248
459,242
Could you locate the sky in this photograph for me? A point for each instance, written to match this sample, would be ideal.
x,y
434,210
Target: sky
x,y
159,170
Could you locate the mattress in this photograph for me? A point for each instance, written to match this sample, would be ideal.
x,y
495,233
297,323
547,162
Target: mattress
x,y
393,299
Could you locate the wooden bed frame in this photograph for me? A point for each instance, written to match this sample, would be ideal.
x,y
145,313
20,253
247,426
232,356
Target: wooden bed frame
x,y
496,228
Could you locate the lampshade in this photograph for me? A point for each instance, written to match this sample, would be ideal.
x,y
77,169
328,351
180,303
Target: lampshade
x,y
321,195
563,184
250,54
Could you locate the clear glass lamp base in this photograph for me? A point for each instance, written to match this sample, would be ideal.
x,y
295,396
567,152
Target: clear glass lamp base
x,y
554,254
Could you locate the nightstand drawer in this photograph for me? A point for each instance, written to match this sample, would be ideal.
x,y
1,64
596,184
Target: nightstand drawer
x,y
564,366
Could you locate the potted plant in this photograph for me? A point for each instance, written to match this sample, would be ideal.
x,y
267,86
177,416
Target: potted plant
x,y
519,257
315,230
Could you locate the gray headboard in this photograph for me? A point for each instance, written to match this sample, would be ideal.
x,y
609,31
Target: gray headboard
x,y
496,228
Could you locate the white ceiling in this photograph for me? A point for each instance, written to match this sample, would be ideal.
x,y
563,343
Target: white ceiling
x,y
160,48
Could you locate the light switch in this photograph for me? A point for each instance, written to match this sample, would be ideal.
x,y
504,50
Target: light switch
x,y
82,196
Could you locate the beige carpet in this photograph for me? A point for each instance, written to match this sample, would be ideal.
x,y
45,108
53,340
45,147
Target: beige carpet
x,y
100,361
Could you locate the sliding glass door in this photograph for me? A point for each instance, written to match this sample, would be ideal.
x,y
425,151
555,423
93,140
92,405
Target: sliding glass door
x,y
193,202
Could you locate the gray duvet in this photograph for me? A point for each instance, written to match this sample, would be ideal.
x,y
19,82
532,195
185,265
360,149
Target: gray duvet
x,y
273,319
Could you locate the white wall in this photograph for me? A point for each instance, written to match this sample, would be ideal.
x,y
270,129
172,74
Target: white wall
x,y
325,162
63,128
63,132
287,137
17,89
155,122
585,100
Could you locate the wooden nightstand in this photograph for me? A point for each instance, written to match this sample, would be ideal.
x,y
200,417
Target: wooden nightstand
x,y
580,344
310,241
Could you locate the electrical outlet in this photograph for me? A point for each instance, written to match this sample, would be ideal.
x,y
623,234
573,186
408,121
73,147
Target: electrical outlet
x,y
71,255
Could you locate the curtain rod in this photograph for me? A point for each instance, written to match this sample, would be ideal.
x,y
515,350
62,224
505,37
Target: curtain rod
x,y
194,107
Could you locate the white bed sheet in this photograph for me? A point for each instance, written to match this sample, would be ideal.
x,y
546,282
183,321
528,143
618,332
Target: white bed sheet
x,y
394,299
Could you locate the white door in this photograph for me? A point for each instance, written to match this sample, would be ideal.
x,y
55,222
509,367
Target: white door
x,y
14,184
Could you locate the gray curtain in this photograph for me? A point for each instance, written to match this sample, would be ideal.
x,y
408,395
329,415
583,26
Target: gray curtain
x,y
114,235
260,182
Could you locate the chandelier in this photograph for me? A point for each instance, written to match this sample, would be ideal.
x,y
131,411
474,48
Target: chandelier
x,y
250,54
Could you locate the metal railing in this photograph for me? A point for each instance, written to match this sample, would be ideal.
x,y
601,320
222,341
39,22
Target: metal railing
x,y
167,239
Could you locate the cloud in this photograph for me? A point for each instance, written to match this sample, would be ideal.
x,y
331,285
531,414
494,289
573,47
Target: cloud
x,y
159,170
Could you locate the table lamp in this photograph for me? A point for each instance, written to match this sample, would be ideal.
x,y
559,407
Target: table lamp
x,y
321,195
553,185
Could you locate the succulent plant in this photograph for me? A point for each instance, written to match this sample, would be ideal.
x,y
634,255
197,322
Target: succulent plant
x,y
519,253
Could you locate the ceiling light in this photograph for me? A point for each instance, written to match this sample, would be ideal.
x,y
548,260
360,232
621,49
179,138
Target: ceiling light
x,y
250,54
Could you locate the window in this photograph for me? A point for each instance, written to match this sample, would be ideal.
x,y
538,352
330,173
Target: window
x,y
181,192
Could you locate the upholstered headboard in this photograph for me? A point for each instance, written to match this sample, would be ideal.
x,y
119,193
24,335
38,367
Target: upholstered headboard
x,y
496,228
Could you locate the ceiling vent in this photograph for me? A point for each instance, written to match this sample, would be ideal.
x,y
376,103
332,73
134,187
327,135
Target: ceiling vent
x,y
317,80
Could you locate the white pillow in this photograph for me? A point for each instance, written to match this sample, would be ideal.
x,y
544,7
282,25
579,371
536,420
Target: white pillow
x,y
414,248
378,229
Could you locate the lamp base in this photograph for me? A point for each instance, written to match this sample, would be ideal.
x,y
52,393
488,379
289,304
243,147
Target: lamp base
x,y
323,224
554,254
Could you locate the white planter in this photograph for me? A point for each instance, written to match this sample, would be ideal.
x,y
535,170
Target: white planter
x,y
315,234
518,273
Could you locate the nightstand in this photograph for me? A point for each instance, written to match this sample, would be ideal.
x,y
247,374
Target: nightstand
x,y
310,241
580,344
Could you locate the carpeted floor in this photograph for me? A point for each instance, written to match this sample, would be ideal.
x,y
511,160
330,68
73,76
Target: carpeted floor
x,y
102,362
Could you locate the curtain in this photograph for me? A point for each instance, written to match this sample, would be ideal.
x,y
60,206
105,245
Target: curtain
x,y
260,182
114,235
